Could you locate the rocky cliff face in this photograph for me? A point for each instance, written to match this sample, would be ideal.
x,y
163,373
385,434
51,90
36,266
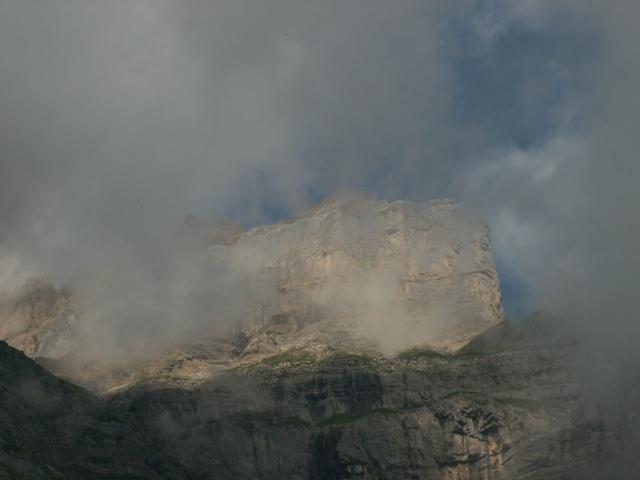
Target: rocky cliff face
x,y
396,272
368,344
504,408
351,273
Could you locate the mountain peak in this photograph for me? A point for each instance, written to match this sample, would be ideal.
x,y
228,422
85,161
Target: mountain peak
x,y
351,273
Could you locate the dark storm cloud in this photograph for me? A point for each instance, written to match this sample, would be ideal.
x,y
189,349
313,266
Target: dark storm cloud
x,y
118,117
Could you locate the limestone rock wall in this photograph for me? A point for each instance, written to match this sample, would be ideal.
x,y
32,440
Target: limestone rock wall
x,y
401,272
352,269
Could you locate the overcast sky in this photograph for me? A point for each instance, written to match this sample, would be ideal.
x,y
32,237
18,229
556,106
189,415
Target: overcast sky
x,y
117,117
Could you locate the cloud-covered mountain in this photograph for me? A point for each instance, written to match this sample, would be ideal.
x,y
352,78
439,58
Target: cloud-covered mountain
x,y
350,273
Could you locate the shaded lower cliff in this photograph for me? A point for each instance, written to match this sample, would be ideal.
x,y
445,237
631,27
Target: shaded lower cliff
x,y
512,405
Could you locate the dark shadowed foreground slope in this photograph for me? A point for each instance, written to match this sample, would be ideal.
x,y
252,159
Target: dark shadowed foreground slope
x,y
51,429
507,407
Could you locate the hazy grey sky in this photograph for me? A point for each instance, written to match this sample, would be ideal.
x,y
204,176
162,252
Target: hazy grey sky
x,y
117,117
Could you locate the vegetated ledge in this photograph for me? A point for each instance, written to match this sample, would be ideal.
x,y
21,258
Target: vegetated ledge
x,y
302,360
416,354
346,418
293,356
298,357
249,418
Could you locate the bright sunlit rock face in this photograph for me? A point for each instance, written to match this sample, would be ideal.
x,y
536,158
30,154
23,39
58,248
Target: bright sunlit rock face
x,y
400,273
351,272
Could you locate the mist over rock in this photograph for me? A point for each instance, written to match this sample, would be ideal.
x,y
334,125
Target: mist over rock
x,y
400,273
39,319
351,273
361,339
